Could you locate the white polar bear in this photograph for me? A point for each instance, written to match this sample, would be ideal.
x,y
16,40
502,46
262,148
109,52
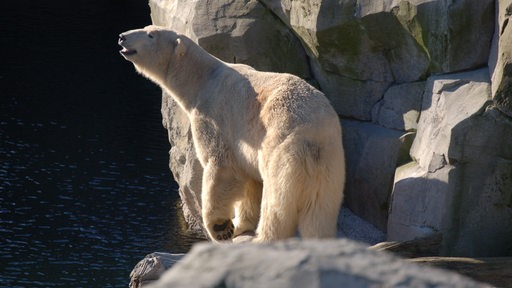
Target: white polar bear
x,y
270,144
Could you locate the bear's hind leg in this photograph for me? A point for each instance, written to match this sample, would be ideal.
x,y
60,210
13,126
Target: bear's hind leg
x,y
247,213
278,219
221,189
323,193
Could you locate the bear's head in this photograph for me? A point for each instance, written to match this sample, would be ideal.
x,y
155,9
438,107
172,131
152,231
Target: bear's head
x,y
151,50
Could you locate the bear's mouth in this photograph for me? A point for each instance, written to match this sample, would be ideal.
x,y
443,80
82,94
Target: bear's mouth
x,y
127,52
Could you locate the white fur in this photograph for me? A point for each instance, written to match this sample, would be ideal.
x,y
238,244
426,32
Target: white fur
x,y
269,143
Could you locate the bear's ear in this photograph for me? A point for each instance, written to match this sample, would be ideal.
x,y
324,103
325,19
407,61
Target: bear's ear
x,y
179,47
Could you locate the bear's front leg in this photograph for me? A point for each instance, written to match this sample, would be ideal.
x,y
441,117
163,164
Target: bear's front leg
x,y
221,188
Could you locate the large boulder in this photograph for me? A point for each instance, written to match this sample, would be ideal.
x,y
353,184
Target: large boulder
x,y
335,263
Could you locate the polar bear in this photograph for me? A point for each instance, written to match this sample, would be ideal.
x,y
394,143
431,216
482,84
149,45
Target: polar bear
x,y
270,143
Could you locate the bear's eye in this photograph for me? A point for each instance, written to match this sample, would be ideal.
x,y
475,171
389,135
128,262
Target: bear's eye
x,y
150,35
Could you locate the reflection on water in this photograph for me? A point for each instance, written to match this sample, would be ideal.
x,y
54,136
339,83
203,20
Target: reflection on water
x,y
85,188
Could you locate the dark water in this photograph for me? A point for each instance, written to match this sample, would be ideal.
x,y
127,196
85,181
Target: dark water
x,y
85,189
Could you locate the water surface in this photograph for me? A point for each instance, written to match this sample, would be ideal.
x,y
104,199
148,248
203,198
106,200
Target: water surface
x,y
85,188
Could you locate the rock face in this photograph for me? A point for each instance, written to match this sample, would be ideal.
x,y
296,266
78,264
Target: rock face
x,y
500,61
359,48
294,263
424,98
460,182
183,162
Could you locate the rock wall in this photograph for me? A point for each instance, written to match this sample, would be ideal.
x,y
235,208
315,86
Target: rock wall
x,y
423,90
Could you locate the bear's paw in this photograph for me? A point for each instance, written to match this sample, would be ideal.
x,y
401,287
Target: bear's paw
x,y
223,231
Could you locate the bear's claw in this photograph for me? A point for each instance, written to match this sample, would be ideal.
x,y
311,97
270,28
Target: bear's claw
x,y
224,231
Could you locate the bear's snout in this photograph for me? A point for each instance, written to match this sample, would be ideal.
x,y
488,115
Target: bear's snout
x,y
126,51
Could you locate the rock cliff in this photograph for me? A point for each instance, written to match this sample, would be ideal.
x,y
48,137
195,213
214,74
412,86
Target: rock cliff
x,y
423,90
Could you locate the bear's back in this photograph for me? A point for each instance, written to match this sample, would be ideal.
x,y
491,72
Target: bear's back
x,y
285,98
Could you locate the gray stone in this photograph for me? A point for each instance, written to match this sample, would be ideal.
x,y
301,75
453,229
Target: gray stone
x,y
152,267
448,100
372,157
400,108
500,61
421,203
185,166
340,263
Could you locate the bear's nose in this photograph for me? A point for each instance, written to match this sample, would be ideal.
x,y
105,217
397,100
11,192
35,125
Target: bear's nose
x,y
121,38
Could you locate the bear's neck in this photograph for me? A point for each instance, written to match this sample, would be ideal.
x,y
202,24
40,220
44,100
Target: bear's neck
x,y
191,73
